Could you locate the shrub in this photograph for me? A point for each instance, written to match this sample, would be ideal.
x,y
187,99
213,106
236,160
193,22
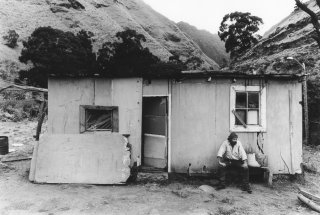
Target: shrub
x,y
172,37
13,95
53,51
20,109
125,57
11,38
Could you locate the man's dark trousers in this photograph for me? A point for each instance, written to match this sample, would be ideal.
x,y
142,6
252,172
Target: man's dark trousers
x,y
234,165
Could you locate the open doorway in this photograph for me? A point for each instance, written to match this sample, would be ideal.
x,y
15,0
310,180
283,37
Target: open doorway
x,y
155,132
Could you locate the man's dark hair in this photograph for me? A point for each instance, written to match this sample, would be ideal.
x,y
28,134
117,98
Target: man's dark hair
x,y
232,135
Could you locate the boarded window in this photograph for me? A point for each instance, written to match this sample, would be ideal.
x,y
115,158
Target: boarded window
x,y
99,118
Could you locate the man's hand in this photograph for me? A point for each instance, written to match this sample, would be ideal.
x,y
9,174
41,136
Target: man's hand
x,y
222,164
245,163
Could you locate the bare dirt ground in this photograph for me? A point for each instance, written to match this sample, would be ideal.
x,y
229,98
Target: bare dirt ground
x,y
149,195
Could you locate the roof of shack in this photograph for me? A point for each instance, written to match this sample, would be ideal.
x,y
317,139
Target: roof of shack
x,y
249,74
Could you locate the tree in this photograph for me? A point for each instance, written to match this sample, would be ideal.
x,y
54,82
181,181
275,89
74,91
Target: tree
x,y
238,30
125,57
53,51
314,19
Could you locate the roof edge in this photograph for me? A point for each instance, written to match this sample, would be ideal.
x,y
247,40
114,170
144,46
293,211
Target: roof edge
x,y
191,74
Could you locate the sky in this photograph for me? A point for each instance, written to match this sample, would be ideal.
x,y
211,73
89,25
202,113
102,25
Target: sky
x,y
208,14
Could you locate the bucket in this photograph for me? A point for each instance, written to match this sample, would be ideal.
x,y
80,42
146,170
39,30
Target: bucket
x,y
4,145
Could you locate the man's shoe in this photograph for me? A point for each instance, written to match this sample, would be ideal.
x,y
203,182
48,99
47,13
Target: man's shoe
x,y
246,188
221,187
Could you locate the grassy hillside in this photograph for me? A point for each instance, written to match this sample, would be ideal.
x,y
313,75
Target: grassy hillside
x,y
102,17
209,43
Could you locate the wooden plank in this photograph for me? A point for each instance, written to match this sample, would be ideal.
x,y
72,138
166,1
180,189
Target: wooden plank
x,y
268,175
26,88
34,162
309,195
42,114
310,203
103,158
155,162
155,146
16,159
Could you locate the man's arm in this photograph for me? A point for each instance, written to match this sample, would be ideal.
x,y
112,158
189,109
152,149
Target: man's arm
x,y
221,152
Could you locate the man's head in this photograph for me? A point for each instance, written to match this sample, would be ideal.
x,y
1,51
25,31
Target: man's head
x,y
233,137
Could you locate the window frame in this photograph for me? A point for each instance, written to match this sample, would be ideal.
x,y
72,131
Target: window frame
x,y
115,117
262,127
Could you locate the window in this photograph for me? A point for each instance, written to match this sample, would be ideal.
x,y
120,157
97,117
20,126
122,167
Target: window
x,y
248,109
98,118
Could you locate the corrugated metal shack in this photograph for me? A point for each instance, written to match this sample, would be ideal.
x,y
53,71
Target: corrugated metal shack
x,y
174,122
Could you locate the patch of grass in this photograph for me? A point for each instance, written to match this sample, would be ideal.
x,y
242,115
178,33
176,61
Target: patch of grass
x,y
227,200
225,211
172,37
181,193
18,110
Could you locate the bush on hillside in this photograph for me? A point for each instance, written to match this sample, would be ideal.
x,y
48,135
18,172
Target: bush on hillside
x,y
11,38
59,53
53,51
170,69
125,57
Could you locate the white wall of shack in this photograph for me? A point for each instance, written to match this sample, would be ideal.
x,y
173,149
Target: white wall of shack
x,y
66,96
199,119
200,114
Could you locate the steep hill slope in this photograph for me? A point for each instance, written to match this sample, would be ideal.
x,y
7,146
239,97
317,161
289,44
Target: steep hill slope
x,y
102,17
209,43
289,38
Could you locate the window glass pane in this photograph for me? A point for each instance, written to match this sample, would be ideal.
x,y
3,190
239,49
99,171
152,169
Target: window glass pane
x,y
253,100
241,100
98,119
242,115
253,116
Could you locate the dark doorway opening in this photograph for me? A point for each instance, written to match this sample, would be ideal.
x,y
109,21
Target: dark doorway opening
x,y
155,133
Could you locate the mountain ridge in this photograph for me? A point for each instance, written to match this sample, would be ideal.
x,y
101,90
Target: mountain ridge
x,y
209,43
104,18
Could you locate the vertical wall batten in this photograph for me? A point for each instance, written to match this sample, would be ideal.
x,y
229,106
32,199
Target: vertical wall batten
x,y
291,131
169,124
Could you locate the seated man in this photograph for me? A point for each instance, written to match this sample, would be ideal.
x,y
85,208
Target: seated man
x,y
232,155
